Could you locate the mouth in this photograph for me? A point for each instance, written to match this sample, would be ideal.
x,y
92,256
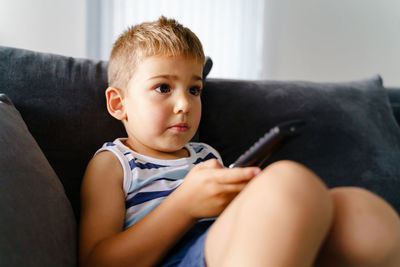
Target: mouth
x,y
180,127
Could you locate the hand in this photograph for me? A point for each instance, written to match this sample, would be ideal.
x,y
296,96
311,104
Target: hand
x,y
209,188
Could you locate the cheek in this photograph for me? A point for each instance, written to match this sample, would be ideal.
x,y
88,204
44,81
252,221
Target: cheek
x,y
141,111
159,116
154,115
196,111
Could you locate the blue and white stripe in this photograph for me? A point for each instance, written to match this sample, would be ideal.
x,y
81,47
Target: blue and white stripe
x,y
148,181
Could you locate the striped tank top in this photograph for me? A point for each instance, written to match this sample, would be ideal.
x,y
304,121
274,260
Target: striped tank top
x,y
148,181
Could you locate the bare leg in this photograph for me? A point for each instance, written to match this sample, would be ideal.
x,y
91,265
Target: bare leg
x,y
365,231
280,219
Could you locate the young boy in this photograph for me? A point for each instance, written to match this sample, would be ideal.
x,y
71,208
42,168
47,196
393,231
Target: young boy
x,y
150,199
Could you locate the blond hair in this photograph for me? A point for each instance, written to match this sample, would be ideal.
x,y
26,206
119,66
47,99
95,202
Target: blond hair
x,y
164,37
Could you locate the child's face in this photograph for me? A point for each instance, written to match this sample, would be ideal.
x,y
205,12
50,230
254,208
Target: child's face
x,y
163,104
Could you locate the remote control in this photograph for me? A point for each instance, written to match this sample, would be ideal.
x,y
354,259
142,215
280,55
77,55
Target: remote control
x,y
258,153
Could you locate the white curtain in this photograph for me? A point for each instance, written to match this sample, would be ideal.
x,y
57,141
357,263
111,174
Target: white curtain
x,y
231,31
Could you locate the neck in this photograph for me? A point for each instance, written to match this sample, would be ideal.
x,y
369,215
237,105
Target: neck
x,y
182,153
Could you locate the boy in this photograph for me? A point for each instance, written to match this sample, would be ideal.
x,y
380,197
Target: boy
x,y
137,210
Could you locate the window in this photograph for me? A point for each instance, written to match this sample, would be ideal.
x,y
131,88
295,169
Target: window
x,y
231,31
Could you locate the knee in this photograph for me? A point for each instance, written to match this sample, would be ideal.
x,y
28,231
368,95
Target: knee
x,y
296,178
296,189
366,229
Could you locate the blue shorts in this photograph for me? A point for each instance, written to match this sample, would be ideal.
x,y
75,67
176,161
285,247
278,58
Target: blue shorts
x,y
189,252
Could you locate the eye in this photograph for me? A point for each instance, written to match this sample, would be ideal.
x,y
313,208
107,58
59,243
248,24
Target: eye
x,y
163,88
195,90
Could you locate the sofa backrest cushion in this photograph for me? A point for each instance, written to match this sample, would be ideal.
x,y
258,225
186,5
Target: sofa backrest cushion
x,y
37,225
351,137
394,97
62,101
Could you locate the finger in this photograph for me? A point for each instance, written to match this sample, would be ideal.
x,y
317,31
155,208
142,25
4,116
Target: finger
x,y
232,188
235,175
209,164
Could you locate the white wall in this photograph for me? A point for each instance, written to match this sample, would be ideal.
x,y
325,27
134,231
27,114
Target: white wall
x,y
56,26
332,40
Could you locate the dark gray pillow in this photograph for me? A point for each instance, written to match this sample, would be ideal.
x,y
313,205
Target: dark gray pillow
x,y
351,137
37,225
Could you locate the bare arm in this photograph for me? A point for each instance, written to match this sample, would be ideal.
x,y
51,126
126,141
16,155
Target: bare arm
x,y
102,239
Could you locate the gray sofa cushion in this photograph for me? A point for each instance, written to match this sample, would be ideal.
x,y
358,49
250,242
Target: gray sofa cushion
x,y
394,97
351,137
37,225
62,101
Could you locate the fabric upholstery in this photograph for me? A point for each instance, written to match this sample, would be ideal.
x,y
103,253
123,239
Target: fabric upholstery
x,y
351,137
394,97
62,101
37,225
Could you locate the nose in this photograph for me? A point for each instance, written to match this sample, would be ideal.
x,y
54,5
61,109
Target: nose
x,y
182,103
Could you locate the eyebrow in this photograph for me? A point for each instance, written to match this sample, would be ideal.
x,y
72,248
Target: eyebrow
x,y
174,77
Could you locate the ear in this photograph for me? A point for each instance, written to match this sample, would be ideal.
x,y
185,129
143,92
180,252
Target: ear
x,y
115,103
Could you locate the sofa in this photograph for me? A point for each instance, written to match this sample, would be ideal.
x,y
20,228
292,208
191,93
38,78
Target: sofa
x,y
53,118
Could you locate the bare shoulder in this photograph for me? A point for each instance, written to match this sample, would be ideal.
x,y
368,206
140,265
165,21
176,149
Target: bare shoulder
x,y
103,181
104,167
